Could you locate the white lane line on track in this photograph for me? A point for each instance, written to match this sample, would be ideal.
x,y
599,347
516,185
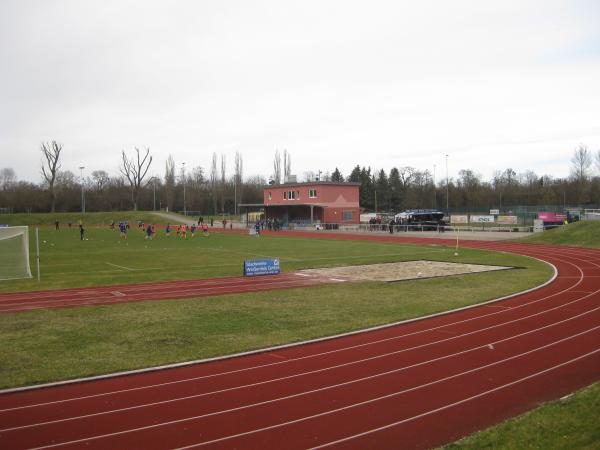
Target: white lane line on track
x,y
200,290
324,369
460,402
121,267
378,341
354,405
176,294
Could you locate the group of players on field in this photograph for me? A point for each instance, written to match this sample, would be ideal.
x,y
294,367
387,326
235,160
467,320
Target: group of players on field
x,y
150,231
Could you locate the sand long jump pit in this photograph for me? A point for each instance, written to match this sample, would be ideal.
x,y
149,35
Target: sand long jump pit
x,y
400,271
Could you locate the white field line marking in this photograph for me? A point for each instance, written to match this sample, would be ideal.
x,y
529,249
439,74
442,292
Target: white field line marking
x,y
120,267
324,369
465,400
301,274
378,341
118,294
238,263
338,279
354,405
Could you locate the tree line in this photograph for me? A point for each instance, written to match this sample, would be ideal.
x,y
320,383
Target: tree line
x,y
216,191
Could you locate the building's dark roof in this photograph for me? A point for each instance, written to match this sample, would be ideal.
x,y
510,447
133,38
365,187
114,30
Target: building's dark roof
x,y
264,205
312,183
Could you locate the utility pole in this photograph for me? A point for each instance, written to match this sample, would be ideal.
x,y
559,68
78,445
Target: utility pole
x,y
447,191
183,176
375,202
82,194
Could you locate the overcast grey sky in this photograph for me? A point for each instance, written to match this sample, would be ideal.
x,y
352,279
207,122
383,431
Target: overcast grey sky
x,y
336,83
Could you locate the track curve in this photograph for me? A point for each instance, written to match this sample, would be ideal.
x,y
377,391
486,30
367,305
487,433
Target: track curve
x,y
415,385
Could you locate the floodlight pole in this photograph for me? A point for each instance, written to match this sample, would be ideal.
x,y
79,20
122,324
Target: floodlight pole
x,y
434,193
154,194
82,195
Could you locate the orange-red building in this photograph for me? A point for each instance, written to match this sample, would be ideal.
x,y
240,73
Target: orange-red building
x,y
312,202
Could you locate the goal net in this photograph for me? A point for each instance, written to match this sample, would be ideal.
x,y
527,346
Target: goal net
x,y
14,253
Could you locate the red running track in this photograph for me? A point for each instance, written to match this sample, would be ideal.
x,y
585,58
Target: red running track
x,y
415,385
107,295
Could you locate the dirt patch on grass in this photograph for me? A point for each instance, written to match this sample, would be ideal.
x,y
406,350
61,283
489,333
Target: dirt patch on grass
x,y
406,270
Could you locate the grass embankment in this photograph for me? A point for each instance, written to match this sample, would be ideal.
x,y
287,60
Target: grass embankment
x,y
58,344
88,218
560,425
579,234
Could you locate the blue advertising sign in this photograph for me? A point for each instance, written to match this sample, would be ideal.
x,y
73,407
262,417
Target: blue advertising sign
x,y
254,267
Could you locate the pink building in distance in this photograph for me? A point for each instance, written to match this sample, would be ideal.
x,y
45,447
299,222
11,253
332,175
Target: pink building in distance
x,y
312,202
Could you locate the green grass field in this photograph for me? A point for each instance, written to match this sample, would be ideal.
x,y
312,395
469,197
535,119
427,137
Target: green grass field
x,y
65,343
104,258
52,345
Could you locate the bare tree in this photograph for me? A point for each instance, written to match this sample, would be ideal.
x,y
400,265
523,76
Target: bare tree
x,y
213,182
50,167
170,182
7,177
223,181
237,181
100,178
135,171
287,165
597,159
581,163
277,168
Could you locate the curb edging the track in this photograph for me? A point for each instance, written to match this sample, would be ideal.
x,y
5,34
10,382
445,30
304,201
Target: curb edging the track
x,y
278,347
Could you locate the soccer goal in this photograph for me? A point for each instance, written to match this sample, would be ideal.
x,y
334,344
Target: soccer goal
x,y
14,253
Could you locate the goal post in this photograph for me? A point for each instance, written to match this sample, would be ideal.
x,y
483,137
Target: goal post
x,y
14,253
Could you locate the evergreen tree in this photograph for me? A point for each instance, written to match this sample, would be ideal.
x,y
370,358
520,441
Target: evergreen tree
x,y
355,175
382,191
367,192
395,189
337,176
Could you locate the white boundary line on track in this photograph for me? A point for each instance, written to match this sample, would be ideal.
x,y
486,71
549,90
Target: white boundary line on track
x,y
354,405
284,346
450,405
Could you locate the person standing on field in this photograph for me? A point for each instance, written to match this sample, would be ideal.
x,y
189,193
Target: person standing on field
x,y
81,232
148,232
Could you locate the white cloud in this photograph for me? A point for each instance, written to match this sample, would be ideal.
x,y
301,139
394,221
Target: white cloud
x,y
510,84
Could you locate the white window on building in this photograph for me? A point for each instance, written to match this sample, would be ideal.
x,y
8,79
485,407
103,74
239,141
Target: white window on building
x,y
285,195
312,193
347,215
269,196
